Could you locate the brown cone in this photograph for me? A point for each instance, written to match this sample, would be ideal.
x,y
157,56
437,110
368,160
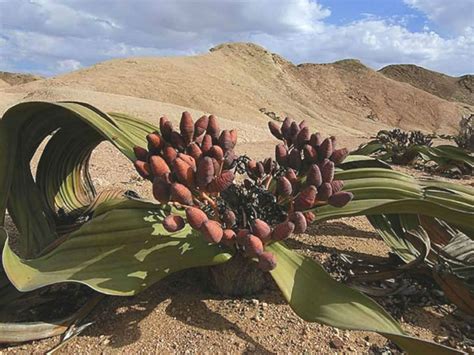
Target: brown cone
x,y
267,261
262,230
285,128
225,141
294,130
188,159
217,165
194,150
339,155
177,141
222,182
324,192
300,222
253,246
181,194
184,172
268,165
303,137
233,137
313,176
158,166
216,152
212,231
206,144
140,153
294,159
275,130
155,142
283,230
260,169
142,168
310,154
200,126
229,218
205,172
161,190
291,176
315,140
169,153
306,198
303,124
195,217
228,237
186,127
252,166
213,127
337,185
281,154
165,128
229,158
325,149
173,223
284,187
340,199
327,170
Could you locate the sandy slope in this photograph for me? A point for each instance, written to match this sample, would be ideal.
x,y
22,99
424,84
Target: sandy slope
x,y
236,80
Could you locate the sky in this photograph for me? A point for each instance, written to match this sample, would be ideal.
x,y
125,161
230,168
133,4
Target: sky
x,y
50,37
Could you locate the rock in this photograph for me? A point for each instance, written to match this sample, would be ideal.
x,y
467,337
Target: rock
x,y
336,343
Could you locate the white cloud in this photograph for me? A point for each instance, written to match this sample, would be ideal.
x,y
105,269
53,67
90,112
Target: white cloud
x,y
67,65
57,36
456,16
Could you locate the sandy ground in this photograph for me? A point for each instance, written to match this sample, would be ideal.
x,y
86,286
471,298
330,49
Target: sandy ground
x,y
181,315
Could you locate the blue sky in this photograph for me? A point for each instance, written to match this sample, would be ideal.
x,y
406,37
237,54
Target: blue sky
x,y
50,37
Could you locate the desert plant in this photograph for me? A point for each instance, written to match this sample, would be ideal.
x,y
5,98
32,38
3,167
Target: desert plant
x,y
465,137
415,148
124,244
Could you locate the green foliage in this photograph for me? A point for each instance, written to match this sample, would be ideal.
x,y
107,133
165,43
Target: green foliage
x,y
465,137
404,148
118,246
121,251
316,297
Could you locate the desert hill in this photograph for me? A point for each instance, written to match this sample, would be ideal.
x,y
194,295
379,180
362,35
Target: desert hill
x,y
17,78
442,85
244,83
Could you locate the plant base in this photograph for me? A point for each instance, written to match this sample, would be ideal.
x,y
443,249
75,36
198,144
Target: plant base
x,y
238,277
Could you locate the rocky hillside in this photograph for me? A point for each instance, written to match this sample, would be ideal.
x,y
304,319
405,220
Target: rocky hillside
x,y
247,84
447,87
16,78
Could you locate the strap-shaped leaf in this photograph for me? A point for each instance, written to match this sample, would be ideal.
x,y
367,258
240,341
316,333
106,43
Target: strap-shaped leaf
x,y
316,297
121,251
62,180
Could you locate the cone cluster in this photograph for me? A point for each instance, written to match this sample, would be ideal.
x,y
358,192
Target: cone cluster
x,y
186,163
195,167
309,163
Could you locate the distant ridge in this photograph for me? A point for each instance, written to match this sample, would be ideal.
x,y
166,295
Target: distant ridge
x,y
246,83
447,87
18,78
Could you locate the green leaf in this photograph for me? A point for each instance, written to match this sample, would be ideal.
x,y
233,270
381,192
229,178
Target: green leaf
x,y
121,251
316,297
62,180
